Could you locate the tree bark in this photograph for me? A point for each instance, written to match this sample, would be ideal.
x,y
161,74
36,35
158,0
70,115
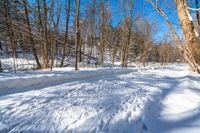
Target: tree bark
x,y
197,12
192,48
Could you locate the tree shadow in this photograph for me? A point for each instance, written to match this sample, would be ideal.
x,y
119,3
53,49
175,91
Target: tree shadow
x,y
112,113
59,96
156,124
150,121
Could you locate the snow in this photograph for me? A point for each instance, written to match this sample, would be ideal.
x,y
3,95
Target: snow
x,y
189,16
151,99
47,77
196,33
194,9
191,19
179,108
21,63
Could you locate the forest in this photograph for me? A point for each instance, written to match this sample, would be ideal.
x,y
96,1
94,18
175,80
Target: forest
x,y
99,66
56,33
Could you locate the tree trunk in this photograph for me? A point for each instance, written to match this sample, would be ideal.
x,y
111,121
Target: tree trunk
x,y
125,48
30,35
77,40
80,50
45,46
102,32
10,32
66,35
197,12
1,70
192,48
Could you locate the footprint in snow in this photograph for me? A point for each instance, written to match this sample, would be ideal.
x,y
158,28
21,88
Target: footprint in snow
x,y
144,127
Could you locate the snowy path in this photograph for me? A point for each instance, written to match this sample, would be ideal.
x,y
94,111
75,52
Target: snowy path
x,y
150,101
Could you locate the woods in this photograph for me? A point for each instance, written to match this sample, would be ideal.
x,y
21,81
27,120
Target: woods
x,y
55,33
99,66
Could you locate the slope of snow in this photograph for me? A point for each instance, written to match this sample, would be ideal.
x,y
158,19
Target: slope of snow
x,y
19,80
102,101
21,63
178,109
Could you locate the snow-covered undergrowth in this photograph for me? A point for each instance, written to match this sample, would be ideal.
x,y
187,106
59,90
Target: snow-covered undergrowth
x,y
15,81
20,64
107,100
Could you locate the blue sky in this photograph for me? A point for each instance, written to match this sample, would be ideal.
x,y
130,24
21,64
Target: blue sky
x,y
141,6
146,10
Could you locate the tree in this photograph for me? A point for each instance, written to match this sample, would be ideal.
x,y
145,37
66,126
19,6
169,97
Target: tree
x,y
191,50
30,35
198,14
66,33
45,46
77,39
10,30
1,70
128,7
89,27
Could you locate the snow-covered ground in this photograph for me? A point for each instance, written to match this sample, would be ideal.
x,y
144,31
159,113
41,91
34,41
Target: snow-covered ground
x,y
107,100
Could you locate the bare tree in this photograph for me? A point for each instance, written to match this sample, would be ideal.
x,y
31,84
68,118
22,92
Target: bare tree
x,y
30,35
77,39
124,53
45,46
10,31
191,50
66,33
